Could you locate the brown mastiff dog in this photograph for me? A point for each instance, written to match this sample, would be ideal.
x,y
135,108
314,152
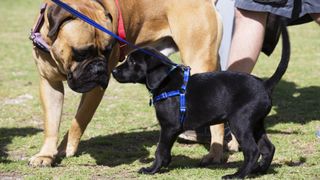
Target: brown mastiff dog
x,y
85,56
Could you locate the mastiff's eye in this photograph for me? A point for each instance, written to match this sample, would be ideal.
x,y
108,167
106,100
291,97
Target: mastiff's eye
x,y
81,54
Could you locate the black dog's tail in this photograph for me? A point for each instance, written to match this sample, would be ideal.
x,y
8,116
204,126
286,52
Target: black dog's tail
x,y
282,67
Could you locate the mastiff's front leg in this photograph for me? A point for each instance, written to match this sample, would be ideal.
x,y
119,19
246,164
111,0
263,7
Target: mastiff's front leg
x,y
52,95
87,107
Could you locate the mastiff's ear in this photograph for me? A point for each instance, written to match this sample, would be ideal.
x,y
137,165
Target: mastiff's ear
x,y
56,16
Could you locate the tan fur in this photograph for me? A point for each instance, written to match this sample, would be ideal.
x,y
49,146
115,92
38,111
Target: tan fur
x,y
193,25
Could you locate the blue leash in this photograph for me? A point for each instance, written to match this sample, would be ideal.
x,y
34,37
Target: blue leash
x,y
103,29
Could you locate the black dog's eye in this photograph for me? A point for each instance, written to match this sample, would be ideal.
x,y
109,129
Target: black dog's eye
x,y
81,54
131,61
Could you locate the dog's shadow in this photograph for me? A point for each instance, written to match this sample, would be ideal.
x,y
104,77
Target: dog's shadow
x,y
126,148
294,105
8,134
122,148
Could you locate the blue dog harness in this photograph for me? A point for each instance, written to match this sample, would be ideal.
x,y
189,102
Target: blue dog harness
x,y
181,92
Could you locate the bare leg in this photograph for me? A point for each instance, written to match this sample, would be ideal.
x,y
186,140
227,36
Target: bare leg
x,y
246,45
247,40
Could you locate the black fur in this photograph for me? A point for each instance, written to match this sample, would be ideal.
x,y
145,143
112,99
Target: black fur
x,y
238,98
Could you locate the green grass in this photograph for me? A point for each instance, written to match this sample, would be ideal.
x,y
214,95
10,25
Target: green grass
x,y
122,136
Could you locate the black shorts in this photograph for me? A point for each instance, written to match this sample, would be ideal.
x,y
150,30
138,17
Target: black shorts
x,y
292,9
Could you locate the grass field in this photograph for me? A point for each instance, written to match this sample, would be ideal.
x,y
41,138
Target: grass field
x,y
122,136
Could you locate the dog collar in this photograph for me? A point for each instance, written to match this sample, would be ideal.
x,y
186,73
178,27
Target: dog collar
x,y
121,31
181,93
35,35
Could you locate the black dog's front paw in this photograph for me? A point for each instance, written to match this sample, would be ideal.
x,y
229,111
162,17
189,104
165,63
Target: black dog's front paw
x,y
147,170
232,176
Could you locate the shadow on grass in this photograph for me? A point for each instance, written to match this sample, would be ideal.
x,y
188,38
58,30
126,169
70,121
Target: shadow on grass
x,y
295,105
184,162
122,148
7,135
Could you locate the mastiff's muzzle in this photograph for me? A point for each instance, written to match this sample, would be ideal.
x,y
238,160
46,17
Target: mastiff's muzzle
x,y
89,74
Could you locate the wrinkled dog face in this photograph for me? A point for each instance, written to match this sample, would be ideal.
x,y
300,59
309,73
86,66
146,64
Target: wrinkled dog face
x,y
80,51
133,70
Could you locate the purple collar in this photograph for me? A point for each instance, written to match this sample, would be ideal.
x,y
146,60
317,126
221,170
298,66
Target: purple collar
x,y
35,35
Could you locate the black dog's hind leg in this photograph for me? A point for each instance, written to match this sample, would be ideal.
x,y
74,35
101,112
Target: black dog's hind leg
x,y
267,150
163,152
249,148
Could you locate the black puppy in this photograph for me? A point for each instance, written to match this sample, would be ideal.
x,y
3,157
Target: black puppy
x,y
184,103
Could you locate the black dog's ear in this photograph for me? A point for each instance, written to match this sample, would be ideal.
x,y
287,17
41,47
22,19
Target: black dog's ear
x,y
56,16
157,69
156,75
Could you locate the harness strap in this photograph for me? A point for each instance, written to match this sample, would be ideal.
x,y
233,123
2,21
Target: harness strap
x,y
181,92
183,107
166,95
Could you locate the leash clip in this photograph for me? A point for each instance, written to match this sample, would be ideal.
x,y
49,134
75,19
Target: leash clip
x,y
151,102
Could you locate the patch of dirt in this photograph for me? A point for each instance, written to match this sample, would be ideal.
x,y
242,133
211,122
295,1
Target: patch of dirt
x,y
18,155
18,100
10,176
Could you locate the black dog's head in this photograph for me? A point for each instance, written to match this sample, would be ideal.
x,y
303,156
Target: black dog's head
x,y
146,68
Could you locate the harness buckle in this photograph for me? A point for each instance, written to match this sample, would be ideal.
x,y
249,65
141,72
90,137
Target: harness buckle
x,y
39,42
150,102
182,91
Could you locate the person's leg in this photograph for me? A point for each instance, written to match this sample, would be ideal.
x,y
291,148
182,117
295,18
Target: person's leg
x,y
316,17
247,40
245,47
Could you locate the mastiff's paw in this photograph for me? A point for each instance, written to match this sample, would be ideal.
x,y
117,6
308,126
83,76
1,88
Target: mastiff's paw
x,y
212,159
41,161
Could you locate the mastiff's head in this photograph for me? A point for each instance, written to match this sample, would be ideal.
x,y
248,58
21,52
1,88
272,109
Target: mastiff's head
x,y
80,50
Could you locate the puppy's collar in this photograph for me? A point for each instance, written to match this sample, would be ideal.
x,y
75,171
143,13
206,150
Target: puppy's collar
x,y
181,93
